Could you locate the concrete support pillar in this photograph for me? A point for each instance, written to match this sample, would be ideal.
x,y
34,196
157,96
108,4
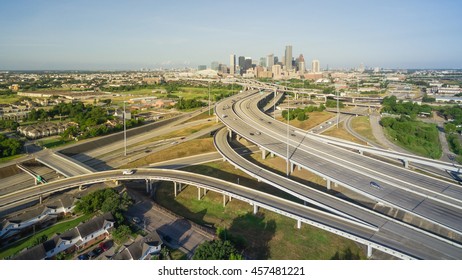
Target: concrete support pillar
x,y
263,153
272,155
369,251
292,167
80,187
406,163
230,198
328,184
255,209
147,185
224,200
180,187
36,182
198,193
40,199
299,167
230,133
174,188
361,152
299,224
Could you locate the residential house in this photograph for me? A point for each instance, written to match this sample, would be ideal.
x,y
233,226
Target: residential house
x,y
141,249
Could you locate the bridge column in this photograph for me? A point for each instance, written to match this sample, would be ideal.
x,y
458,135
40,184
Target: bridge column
x,y
198,193
292,167
299,167
224,200
361,152
328,184
406,163
174,188
35,181
147,185
255,209
80,187
299,224
230,133
369,251
272,155
40,200
263,153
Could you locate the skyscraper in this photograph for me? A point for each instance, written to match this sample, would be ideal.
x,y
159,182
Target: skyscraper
x,y
288,58
301,67
242,64
269,61
315,66
215,65
232,64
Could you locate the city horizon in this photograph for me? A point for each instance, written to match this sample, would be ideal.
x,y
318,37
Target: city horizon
x,y
69,36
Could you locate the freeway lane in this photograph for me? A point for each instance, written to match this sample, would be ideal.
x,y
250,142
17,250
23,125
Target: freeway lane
x,y
407,238
333,223
348,168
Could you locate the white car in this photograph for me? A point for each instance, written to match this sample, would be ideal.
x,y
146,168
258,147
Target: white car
x,y
128,172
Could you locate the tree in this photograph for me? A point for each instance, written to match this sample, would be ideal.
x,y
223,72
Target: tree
x,y
301,116
121,234
216,250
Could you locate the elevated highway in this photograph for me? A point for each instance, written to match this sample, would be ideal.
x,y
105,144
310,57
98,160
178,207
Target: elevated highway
x,y
428,243
351,229
60,163
434,200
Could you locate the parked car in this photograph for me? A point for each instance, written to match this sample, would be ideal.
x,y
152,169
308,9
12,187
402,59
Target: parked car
x,y
95,253
105,245
136,220
83,257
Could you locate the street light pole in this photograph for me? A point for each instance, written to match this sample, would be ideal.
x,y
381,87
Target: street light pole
x,y
288,114
125,133
338,110
209,98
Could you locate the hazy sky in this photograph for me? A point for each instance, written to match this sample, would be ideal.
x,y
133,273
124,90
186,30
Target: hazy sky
x,y
65,34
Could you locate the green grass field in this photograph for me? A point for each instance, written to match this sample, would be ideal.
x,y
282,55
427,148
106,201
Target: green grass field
x,y
362,126
266,235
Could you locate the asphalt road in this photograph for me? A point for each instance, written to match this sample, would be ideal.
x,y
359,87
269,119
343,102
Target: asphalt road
x,y
399,187
403,236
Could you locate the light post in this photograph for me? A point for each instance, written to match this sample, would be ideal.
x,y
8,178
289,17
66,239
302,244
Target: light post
x,y
209,98
288,114
125,133
338,110
274,104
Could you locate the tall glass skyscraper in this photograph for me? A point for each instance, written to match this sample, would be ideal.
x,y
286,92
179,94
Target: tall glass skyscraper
x,y
288,58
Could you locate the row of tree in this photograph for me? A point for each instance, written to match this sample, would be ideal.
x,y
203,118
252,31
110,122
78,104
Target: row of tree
x,y
9,146
392,106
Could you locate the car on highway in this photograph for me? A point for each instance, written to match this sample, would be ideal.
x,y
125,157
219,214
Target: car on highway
x,y
128,172
375,185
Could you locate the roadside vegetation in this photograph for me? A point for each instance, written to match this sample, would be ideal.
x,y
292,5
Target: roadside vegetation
x,y
266,235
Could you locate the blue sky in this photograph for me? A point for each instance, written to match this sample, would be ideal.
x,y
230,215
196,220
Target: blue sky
x,y
96,35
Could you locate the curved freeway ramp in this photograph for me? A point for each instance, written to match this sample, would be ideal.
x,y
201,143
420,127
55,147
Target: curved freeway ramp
x,y
390,233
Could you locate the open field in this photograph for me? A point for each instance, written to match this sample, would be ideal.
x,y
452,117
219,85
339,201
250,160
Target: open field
x,y
315,118
341,133
263,236
362,126
189,148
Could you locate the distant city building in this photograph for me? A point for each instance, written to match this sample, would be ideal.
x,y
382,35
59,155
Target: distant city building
x,y
262,62
277,71
223,68
299,59
242,65
269,61
301,67
288,58
276,60
361,67
232,64
201,67
215,65
315,68
247,64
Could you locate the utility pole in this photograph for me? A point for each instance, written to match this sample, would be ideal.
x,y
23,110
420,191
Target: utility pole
x,y
125,133
209,98
338,110
288,114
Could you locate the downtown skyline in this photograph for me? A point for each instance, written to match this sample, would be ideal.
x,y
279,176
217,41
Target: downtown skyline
x,y
124,35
